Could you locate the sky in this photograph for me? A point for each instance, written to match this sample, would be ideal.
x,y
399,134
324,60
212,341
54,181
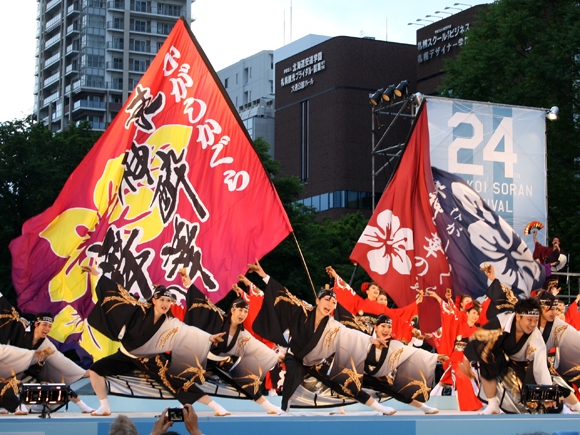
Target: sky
x,y
228,31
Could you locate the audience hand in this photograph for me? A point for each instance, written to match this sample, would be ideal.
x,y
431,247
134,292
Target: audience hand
x,y
162,424
190,420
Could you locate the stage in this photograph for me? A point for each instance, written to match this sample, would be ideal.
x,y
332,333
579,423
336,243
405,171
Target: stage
x,y
248,419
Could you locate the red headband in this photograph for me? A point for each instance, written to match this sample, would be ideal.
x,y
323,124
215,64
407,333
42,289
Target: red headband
x,y
364,287
469,306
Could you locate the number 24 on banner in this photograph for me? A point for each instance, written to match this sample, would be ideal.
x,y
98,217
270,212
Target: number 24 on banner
x,y
504,130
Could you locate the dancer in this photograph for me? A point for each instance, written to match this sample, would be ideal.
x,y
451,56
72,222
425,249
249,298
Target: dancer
x,y
456,328
54,367
367,309
14,360
255,358
560,336
509,343
315,337
146,333
403,372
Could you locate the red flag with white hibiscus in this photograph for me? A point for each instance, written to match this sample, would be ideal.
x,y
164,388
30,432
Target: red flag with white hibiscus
x,y
173,183
400,248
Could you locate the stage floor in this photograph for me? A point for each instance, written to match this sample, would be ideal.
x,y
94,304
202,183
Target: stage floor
x,y
248,419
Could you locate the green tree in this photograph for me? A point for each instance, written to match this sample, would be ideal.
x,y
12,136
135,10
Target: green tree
x,y
526,52
323,242
34,165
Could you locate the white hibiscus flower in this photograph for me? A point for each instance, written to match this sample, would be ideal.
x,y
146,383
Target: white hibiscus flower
x,y
391,242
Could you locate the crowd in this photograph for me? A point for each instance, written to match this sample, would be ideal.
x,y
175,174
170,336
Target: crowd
x,y
358,348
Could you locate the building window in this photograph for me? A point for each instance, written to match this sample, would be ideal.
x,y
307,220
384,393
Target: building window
x,y
226,82
304,138
167,9
271,61
117,63
164,29
140,45
118,23
139,65
140,26
141,6
117,83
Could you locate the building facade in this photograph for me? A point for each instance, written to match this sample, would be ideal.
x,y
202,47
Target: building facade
x,y
92,53
324,118
250,85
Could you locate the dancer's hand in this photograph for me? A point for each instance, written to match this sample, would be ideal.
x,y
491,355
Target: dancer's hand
x,y
255,267
244,280
331,272
217,338
238,290
185,277
90,269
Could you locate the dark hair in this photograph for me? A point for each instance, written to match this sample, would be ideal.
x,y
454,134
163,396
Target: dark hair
x,y
235,304
547,299
527,305
476,306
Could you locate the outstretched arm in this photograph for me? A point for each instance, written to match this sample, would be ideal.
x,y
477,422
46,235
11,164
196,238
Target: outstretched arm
x,y
90,269
255,267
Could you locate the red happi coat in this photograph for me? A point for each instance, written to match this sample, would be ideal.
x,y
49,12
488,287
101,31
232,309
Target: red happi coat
x,y
455,332
402,317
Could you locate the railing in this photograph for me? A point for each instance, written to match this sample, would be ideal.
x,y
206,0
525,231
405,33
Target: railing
x,y
140,28
71,48
569,296
52,4
138,68
115,25
73,8
51,98
142,48
56,38
70,69
53,78
116,5
51,60
89,104
51,24
114,65
74,27
115,45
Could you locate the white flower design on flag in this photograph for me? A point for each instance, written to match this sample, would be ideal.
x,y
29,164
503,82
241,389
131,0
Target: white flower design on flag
x,y
391,243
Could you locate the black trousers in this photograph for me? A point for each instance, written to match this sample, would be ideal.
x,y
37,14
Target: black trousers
x,y
295,374
118,363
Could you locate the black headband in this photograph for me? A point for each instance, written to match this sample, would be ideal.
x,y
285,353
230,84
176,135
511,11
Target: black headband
x,y
383,318
240,303
162,292
326,292
46,319
534,312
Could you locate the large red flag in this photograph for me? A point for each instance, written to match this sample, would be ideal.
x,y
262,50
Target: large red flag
x,y
400,248
173,183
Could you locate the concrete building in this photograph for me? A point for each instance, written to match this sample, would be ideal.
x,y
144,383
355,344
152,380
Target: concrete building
x,y
92,53
250,85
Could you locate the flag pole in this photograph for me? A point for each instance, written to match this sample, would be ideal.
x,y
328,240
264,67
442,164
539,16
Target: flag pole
x,y
352,277
304,264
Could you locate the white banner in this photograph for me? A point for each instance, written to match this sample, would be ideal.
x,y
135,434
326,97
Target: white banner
x,y
499,150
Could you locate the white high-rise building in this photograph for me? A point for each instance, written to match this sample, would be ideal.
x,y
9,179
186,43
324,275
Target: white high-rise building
x,y
250,85
92,53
